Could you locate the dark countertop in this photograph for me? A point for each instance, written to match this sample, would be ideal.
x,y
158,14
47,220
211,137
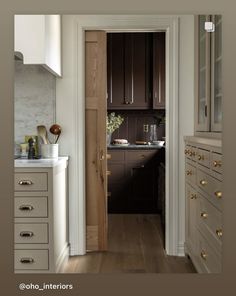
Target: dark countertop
x,y
133,146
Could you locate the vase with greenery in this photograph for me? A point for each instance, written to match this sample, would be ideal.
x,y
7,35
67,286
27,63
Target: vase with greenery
x,y
113,123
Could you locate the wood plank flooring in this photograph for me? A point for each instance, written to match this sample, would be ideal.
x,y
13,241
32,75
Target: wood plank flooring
x,y
135,245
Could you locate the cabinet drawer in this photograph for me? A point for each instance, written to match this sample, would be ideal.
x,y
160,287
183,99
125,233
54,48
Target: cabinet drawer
x,y
31,207
207,255
31,182
209,184
216,162
203,157
190,173
140,156
116,155
31,259
31,233
210,221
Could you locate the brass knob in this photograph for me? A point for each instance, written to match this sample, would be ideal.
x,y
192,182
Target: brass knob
x,y
203,182
142,156
186,151
200,157
190,153
189,173
193,196
204,215
203,255
108,173
218,194
219,232
217,163
108,156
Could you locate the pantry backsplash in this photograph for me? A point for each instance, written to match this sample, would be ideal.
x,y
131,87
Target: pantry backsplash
x,y
132,127
35,99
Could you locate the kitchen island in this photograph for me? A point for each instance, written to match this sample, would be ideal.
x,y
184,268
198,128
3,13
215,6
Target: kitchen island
x,y
41,215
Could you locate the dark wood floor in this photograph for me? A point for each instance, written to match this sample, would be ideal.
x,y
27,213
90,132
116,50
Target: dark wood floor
x,y
135,245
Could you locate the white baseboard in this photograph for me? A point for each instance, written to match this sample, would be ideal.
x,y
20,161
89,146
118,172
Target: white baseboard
x,y
180,250
63,257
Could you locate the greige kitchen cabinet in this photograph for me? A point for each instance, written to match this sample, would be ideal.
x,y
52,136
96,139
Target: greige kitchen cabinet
x,y
133,181
40,213
128,71
204,197
208,75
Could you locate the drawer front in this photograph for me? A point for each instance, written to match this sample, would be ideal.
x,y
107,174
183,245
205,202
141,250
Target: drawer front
x,y
207,255
31,207
116,155
210,185
31,233
216,162
203,157
31,259
190,152
140,156
210,221
190,173
31,182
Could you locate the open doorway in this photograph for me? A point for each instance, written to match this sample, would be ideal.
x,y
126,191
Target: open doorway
x,y
136,125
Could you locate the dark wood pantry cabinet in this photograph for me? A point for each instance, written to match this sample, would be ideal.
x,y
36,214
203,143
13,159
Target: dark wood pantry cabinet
x,y
135,71
133,181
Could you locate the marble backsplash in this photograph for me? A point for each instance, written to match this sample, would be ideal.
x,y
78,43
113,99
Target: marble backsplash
x,y
35,99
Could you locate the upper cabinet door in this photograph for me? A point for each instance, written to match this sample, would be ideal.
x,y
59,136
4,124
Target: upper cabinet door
x,y
115,71
202,77
216,78
128,71
159,70
38,40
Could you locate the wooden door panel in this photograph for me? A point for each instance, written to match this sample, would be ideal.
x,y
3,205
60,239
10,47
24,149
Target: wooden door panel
x,y
95,140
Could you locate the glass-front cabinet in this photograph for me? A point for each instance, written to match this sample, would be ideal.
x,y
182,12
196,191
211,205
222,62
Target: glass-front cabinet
x,y
208,77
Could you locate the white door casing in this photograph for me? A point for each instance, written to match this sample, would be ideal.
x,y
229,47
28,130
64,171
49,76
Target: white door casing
x,y
72,87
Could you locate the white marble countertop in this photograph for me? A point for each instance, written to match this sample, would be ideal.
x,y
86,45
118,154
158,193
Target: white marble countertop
x,y
40,163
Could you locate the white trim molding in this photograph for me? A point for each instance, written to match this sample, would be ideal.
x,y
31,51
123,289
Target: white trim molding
x,y
72,86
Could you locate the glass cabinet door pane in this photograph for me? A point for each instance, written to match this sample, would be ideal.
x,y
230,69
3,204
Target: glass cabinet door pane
x,y
216,91
202,68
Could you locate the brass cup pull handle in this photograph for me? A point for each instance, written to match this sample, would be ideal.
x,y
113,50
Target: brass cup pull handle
x,y
200,157
203,182
25,182
193,196
26,233
218,194
26,208
217,163
189,173
204,215
203,255
27,260
219,232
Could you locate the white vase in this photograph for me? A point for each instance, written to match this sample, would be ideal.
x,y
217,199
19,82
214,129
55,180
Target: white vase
x,y
109,139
